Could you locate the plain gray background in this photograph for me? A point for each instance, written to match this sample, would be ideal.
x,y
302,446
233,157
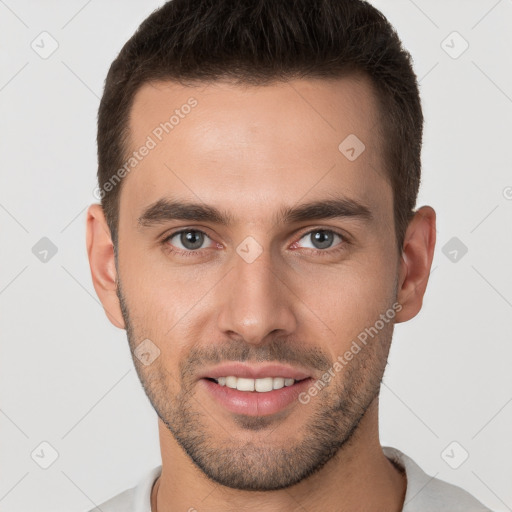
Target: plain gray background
x,y
67,379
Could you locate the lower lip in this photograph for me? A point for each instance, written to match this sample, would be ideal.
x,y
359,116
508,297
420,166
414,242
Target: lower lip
x,y
254,403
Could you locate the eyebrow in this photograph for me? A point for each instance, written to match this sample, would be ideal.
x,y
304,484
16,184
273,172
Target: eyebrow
x,y
164,210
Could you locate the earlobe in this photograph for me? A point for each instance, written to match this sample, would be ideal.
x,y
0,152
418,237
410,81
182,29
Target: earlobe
x,y
416,261
100,251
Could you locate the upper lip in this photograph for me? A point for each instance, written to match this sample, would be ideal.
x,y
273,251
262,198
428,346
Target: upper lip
x,y
254,372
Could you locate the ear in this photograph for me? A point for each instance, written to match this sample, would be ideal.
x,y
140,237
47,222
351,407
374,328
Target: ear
x,y
415,262
100,250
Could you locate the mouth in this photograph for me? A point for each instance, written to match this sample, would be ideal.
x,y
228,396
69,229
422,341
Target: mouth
x,y
254,397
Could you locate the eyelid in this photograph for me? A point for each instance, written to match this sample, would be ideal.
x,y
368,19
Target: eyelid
x,y
172,234
344,238
340,246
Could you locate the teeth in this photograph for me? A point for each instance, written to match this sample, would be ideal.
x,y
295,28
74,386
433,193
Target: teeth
x,y
278,383
245,384
231,382
260,385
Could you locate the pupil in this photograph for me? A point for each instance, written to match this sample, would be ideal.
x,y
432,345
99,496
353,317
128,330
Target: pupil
x,y
192,239
322,239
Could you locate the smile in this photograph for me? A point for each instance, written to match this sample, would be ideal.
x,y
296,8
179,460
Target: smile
x,y
254,397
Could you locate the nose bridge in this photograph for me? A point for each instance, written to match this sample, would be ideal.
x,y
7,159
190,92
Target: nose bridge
x,y
256,301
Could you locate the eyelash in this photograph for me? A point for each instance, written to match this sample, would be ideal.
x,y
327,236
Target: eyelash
x,y
325,252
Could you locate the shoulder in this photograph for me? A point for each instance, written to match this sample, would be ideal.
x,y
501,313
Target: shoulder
x,y
135,499
426,493
122,501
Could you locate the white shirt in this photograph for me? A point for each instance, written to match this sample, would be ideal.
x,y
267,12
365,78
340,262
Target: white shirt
x,y
424,493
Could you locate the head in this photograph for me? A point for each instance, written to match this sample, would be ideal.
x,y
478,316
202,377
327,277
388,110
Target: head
x,y
270,218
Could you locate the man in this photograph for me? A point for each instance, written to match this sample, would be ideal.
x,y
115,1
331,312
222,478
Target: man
x,y
259,163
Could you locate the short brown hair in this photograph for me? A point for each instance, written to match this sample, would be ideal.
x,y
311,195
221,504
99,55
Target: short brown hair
x,y
257,42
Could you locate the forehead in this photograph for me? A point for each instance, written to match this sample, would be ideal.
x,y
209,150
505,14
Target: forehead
x,y
228,144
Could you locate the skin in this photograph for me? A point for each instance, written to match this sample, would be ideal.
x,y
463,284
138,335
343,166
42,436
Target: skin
x,y
250,151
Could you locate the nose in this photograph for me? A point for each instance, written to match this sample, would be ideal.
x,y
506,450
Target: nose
x,y
256,301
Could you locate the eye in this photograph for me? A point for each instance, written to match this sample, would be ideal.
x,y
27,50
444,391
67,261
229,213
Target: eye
x,y
187,240
321,239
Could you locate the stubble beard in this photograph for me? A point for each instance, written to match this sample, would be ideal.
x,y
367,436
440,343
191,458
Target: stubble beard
x,y
333,417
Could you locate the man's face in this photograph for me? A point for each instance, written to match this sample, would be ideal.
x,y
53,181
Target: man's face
x,y
261,289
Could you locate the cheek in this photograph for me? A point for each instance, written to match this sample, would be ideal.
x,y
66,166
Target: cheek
x,y
346,299
168,304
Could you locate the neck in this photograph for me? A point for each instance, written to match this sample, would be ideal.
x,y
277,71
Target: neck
x,y
358,477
